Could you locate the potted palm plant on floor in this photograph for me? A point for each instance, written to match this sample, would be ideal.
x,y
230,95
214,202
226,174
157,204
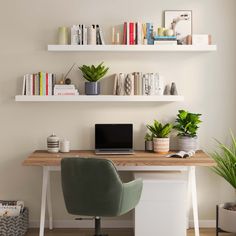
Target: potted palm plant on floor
x,y
160,132
225,159
187,126
93,74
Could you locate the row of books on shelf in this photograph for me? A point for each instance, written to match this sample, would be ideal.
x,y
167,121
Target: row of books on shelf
x,y
86,35
44,84
11,208
137,83
137,33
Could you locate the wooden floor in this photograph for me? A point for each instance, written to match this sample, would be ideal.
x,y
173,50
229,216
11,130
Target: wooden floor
x,y
111,232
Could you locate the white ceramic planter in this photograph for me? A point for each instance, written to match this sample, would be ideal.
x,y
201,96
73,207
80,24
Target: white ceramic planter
x,y
161,145
227,218
187,143
148,146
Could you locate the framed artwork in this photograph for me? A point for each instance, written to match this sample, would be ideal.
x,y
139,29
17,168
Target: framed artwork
x,y
180,21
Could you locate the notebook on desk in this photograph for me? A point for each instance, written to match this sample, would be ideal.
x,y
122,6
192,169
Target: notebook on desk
x,y
114,139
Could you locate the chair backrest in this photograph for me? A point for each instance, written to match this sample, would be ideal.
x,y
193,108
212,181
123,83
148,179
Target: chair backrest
x,y
91,187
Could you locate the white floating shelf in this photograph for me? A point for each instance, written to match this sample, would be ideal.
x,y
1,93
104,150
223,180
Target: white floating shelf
x,y
131,48
99,98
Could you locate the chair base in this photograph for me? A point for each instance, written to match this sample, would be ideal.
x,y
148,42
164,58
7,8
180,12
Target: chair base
x,y
98,227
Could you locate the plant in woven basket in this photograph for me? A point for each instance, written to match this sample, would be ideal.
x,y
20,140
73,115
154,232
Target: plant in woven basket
x,y
160,134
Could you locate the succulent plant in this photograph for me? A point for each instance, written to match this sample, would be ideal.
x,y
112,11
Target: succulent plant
x,y
94,73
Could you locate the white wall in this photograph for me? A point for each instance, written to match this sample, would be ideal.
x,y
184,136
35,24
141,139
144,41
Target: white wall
x,y
207,80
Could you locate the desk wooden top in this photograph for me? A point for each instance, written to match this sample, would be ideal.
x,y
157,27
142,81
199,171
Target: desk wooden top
x,y
140,158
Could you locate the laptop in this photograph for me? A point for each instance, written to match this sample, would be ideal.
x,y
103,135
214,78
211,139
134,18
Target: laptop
x,y
114,139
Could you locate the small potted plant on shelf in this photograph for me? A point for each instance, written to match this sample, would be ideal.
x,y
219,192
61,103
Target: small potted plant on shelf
x,y
225,159
187,126
148,142
93,74
160,132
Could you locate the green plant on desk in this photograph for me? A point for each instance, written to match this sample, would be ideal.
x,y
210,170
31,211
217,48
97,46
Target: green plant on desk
x,y
160,133
159,130
148,137
187,123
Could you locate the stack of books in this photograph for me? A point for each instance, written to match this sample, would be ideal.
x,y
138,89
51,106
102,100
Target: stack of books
x,y
63,90
165,40
41,83
149,84
86,35
135,32
11,208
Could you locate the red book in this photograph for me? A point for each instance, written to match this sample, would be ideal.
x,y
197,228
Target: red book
x,y
125,33
131,33
47,84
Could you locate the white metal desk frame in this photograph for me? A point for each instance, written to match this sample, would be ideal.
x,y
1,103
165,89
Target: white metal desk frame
x,y
192,191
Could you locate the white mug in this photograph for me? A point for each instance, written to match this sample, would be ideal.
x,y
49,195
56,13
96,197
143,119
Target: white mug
x,y
64,146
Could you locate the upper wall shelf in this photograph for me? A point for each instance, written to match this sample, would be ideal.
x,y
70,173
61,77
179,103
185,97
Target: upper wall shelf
x,y
131,48
99,98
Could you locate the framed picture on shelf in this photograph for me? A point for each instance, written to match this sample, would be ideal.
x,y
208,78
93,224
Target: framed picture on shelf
x,y
180,21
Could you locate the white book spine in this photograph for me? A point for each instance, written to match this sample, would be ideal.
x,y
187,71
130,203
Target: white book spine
x,y
49,84
161,85
85,35
74,35
24,86
139,33
156,84
91,35
127,33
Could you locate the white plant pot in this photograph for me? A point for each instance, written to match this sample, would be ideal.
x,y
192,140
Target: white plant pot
x,y
161,145
187,143
227,218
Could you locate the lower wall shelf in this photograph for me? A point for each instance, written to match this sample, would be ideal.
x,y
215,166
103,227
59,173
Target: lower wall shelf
x,y
99,98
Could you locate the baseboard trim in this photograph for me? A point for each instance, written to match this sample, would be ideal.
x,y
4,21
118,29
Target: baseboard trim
x,y
109,224
85,224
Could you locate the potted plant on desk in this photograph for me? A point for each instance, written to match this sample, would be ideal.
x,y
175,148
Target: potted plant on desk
x,y
93,74
187,126
225,159
148,142
160,132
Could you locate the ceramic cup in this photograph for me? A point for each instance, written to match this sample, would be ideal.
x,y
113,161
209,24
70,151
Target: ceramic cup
x,y
64,146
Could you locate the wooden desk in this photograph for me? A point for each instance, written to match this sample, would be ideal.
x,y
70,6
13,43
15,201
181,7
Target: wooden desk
x,y
139,162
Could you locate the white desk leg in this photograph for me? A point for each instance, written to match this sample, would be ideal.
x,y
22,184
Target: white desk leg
x,y
43,200
49,202
192,173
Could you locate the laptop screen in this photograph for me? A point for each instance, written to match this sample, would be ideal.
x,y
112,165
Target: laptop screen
x,y
114,136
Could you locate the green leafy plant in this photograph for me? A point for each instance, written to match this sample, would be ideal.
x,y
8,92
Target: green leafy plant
x,y
225,159
187,123
93,73
160,131
148,137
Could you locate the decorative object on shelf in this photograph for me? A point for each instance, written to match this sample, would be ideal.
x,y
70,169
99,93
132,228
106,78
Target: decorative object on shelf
x,y
173,89
129,85
64,146
148,142
63,36
149,84
167,90
161,141
225,158
93,74
53,143
187,126
169,32
67,81
201,39
180,22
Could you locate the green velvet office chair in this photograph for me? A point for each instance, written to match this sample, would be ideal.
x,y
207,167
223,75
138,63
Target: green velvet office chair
x,y
92,187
